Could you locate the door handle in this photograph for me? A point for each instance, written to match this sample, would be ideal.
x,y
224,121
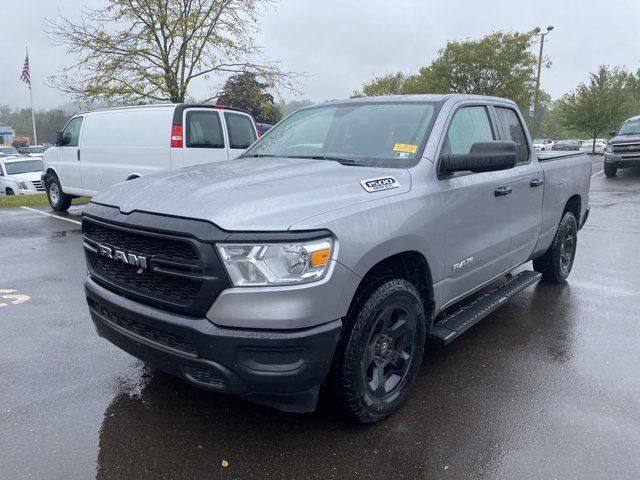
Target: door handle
x,y
537,182
78,154
500,191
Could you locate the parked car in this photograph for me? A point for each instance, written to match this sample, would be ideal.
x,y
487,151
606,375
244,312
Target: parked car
x,y
20,175
263,128
104,147
333,251
9,150
623,150
600,145
33,151
543,144
566,145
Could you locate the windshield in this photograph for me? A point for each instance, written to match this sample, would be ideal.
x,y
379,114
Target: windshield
x,y
373,134
630,128
8,150
15,168
538,140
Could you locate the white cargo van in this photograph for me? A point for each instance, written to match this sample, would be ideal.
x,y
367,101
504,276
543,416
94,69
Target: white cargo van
x,y
104,147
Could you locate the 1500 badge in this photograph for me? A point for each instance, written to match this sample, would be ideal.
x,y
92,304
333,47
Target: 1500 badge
x,y
376,184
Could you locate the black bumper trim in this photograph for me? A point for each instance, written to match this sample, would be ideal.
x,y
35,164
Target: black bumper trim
x,y
279,368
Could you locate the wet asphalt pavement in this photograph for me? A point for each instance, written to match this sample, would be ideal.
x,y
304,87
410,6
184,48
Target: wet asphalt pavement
x,y
546,387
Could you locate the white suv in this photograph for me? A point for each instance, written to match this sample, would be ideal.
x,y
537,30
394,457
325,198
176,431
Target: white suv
x,y
20,175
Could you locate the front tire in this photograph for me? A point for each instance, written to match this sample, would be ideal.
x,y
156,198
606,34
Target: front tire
x,y
380,350
610,170
555,265
58,200
8,191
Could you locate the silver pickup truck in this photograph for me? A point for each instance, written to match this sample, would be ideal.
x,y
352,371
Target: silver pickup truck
x,y
349,237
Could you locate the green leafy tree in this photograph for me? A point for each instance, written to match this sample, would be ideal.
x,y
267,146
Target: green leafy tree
x,y
245,91
390,84
289,107
133,51
600,104
48,122
499,64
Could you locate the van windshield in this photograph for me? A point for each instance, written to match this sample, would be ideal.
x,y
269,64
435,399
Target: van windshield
x,y
390,134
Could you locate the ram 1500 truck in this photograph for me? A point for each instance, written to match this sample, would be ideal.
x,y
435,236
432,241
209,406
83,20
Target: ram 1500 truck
x,y
623,150
330,253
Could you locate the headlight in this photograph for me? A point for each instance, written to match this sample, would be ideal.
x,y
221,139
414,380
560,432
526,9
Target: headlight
x,y
276,263
22,185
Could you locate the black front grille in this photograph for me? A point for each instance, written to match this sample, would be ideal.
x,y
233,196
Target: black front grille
x,y
181,274
140,243
158,285
632,149
153,334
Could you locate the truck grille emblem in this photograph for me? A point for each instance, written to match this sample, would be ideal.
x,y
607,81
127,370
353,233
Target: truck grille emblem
x,y
128,258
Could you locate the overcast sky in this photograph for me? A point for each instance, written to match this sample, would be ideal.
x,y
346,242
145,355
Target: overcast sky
x,y
340,44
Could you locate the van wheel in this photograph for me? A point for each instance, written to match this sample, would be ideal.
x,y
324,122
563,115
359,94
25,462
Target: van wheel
x,y
380,351
58,200
610,170
555,265
8,191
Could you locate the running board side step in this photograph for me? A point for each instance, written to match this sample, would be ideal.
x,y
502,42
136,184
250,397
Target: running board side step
x,y
449,328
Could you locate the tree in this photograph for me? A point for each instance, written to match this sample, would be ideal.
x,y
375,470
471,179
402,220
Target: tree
x,y
134,51
245,91
287,108
499,64
599,105
390,84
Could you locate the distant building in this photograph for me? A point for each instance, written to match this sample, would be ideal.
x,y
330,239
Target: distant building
x,y
6,135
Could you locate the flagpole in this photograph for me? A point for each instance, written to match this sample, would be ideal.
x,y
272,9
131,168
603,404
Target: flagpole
x,y
33,115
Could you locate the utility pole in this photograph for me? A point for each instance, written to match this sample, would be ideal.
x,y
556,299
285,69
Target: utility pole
x,y
537,93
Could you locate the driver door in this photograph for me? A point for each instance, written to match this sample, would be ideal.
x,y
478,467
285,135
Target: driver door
x,y
69,155
477,216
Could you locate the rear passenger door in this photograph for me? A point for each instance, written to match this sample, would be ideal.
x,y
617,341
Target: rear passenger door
x,y
241,132
477,221
525,202
204,137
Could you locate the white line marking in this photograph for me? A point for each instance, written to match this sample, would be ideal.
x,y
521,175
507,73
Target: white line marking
x,y
597,173
52,216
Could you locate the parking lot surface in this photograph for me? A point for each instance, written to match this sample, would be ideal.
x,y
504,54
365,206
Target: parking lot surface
x,y
545,387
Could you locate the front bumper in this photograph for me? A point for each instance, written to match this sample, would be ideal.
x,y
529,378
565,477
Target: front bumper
x,y
280,368
622,161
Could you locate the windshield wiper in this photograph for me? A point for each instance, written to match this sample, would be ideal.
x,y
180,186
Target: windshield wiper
x,y
259,155
630,133
343,161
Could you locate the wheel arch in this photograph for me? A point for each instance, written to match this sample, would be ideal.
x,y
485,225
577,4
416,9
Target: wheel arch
x,y
574,205
410,265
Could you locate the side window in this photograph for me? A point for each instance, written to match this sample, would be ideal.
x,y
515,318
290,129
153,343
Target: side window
x,y
468,126
511,130
241,131
204,130
71,133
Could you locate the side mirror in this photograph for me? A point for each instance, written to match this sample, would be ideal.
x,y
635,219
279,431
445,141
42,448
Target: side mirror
x,y
483,157
59,138
613,133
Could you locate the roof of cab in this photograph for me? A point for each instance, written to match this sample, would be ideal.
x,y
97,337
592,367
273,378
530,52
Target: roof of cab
x,y
456,97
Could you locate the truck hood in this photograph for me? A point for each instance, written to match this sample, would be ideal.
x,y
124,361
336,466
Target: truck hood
x,y
253,194
625,139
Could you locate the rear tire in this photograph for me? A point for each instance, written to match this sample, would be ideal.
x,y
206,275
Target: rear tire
x,y
610,170
380,351
555,265
58,200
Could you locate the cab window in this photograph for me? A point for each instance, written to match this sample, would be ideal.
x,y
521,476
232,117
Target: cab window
x,y
468,126
511,130
71,133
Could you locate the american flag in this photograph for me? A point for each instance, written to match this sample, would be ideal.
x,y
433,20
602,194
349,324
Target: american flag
x,y
26,75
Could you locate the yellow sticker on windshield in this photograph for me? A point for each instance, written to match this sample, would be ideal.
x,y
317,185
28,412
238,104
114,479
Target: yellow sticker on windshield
x,y
405,148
